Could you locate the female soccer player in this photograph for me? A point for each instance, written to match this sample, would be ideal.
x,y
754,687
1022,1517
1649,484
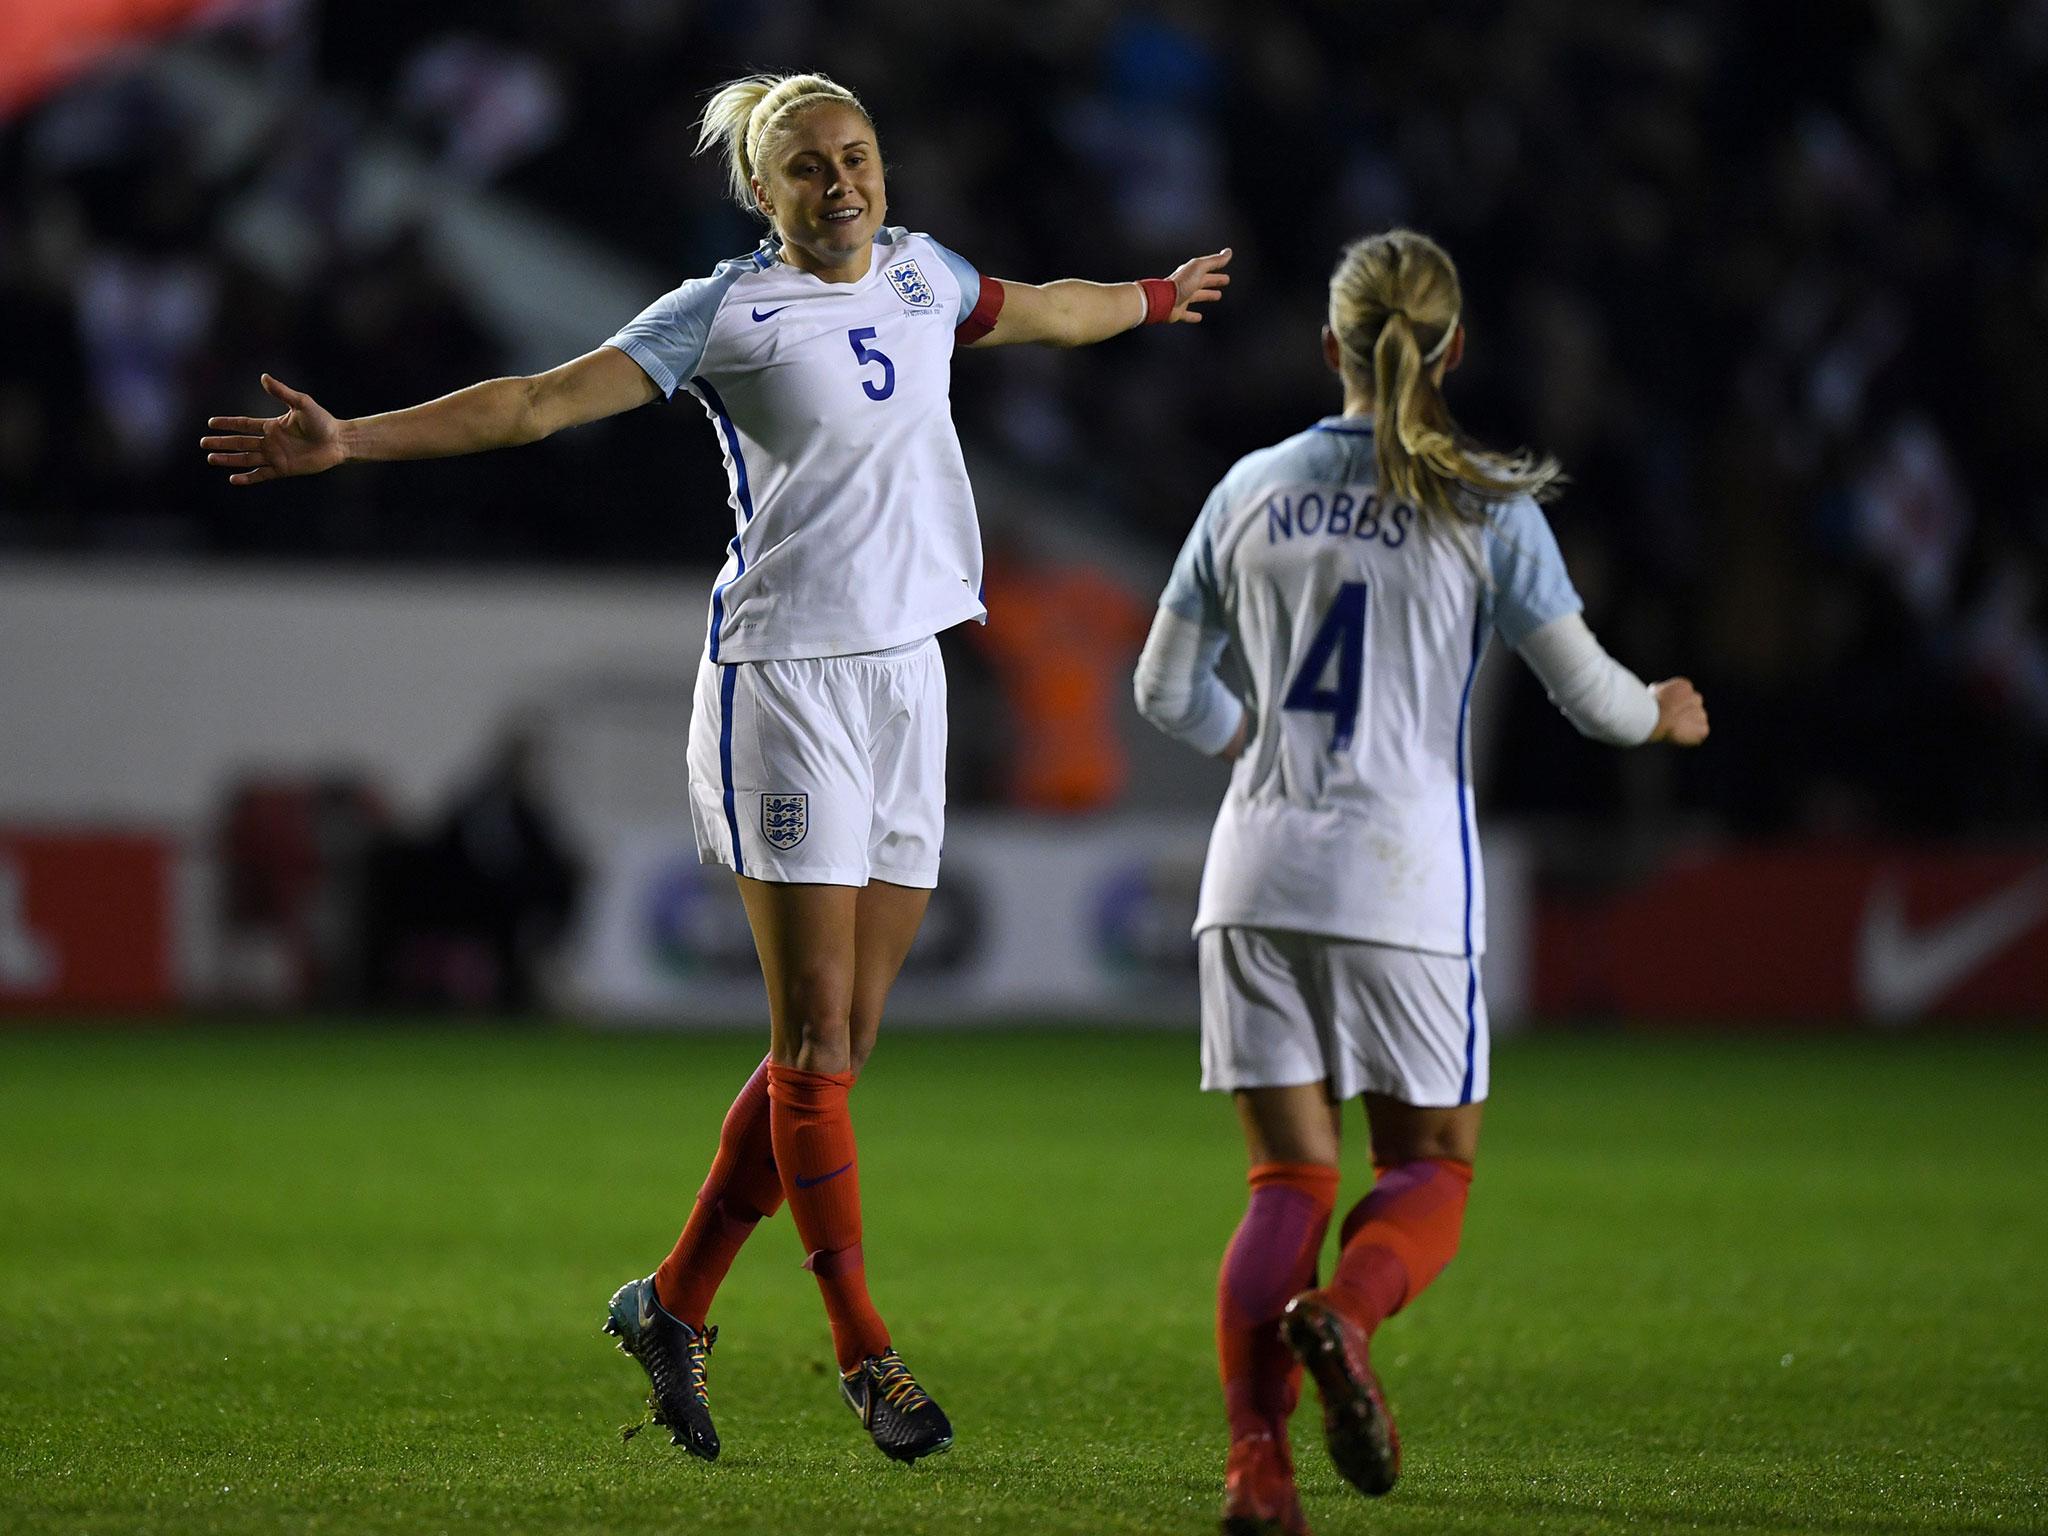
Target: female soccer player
x,y
818,743
1356,569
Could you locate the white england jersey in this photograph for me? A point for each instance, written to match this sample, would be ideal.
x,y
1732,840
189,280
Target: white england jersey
x,y
855,523
1358,625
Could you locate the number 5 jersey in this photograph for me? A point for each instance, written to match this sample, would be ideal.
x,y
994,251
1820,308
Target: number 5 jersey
x,y
855,524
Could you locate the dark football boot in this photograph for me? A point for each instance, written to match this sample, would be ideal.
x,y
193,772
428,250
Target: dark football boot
x,y
1357,1425
673,1355
1259,1496
893,1408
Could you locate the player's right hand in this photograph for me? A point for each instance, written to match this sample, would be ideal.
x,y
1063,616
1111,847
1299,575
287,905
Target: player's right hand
x,y
1681,713
303,441
1239,739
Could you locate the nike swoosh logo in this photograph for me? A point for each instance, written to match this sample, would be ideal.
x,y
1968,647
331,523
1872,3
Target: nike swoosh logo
x,y
760,315
804,1183
1900,973
646,1312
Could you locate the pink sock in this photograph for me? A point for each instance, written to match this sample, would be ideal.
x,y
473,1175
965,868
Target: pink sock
x,y
1271,1256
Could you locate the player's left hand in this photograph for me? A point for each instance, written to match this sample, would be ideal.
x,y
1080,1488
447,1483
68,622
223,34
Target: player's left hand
x,y
1200,281
1681,713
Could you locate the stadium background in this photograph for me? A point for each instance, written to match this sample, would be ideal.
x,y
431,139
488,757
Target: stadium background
x,y
401,746
1771,286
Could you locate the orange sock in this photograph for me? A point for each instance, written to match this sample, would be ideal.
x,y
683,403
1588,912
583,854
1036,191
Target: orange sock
x,y
813,1135
1271,1256
1399,1238
740,1189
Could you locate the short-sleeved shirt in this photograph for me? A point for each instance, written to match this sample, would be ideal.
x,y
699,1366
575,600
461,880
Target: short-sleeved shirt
x,y
855,526
1358,623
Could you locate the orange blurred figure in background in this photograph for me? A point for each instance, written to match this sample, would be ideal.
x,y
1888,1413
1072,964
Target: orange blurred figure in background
x,y
1060,638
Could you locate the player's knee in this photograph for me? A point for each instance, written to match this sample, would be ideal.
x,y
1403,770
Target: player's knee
x,y
1405,1133
1302,1144
866,1028
1427,1144
815,1034
815,1051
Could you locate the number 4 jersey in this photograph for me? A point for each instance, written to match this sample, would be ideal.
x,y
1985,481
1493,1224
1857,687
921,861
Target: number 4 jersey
x,y
855,525
1356,624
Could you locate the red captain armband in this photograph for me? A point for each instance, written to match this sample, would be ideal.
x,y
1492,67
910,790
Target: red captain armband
x,y
982,320
1160,297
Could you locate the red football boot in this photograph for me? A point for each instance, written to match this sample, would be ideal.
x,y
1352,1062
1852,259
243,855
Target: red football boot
x,y
1259,1498
1357,1425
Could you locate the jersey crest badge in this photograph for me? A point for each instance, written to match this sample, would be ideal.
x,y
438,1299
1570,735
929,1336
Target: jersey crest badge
x,y
785,819
910,285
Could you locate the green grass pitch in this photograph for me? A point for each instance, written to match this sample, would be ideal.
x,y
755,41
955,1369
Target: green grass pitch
x,y
323,1280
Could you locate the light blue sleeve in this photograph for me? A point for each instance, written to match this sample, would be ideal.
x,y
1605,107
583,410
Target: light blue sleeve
x,y
1194,590
963,274
1530,584
667,338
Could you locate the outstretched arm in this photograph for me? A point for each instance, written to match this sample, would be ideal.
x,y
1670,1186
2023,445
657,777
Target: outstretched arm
x,y
498,413
1074,313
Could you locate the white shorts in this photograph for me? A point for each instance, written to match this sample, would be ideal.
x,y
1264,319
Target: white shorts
x,y
826,772
1281,1008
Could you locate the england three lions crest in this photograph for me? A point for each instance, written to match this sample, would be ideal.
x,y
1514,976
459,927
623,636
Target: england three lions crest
x,y
785,819
910,285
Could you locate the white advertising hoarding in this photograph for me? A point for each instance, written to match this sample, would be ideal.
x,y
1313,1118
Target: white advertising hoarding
x,y
1033,919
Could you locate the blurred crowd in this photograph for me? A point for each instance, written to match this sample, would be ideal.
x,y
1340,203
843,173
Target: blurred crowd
x,y
1771,280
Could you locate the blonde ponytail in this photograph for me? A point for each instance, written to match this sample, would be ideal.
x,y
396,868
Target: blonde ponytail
x,y
1394,306
745,116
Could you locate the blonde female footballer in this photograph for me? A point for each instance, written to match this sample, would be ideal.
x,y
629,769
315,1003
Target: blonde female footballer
x,y
1357,569
818,743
